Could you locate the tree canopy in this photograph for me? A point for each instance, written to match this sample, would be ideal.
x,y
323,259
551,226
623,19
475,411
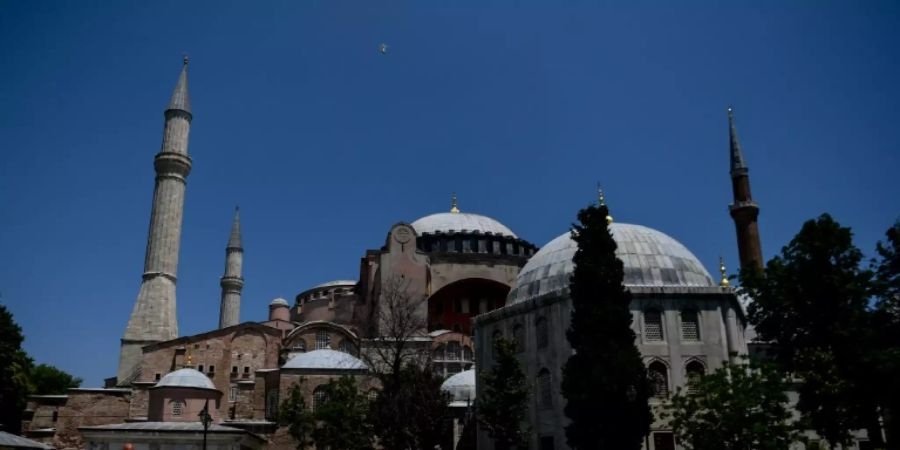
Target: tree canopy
x,y
604,381
503,403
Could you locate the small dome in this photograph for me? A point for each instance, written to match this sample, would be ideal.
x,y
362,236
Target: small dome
x,y
650,258
279,302
462,387
460,222
186,378
324,359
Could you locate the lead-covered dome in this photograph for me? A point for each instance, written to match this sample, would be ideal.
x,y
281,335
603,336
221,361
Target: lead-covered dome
x,y
651,258
186,378
459,222
461,387
325,359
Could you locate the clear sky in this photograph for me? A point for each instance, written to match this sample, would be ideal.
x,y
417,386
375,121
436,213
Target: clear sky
x,y
325,143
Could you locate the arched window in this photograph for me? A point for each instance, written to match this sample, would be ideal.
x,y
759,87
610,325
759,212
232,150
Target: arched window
x,y
319,397
658,374
454,352
440,352
653,330
690,326
694,370
519,337
323,340
543,332
177,407
299,345
544,389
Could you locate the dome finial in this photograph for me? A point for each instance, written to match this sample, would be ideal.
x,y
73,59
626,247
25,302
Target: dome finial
x,y
724,281
601,201
454,205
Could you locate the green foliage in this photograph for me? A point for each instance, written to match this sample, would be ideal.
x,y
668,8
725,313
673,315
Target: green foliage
x,y
737,407
294,414
410,411
604,381
14,370
46,379
883,365
504,399
342,422
811,303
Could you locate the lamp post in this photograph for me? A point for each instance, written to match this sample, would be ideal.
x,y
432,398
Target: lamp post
x,y
206,420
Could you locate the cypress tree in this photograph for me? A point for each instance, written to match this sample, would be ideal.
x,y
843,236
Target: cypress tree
x,y
604,381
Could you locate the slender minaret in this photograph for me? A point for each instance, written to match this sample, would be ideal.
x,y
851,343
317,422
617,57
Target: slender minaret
x,y
153,318
744,210
232,282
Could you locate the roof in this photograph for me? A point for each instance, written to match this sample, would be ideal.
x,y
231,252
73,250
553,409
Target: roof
x,y
460,222
8,440
186,378
234,239
325,359
650,258
279,301
162,426
462,387
181,99
336,283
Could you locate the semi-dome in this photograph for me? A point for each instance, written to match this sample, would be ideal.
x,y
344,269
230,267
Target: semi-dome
x,y
460,223
324,359
461,387
186,378
651,258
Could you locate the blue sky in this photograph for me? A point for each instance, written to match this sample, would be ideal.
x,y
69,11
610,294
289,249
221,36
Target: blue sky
x,y
521,108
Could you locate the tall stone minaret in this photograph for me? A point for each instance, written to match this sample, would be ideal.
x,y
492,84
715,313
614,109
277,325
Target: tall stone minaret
x,y
744,210
232,282
153,318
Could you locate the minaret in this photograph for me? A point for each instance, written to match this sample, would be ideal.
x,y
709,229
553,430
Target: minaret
x,y
744,210
153,318
232,282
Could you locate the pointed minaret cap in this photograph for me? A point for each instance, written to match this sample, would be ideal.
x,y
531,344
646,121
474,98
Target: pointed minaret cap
x,y
234,241
737,157
454,205
181,100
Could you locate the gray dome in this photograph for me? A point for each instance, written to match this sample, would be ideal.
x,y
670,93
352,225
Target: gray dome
x,y
336,283
650,258
324,359
279,302
462,387
460,222
186,378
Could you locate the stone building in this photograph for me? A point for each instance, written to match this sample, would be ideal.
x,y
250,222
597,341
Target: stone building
x,y
465,278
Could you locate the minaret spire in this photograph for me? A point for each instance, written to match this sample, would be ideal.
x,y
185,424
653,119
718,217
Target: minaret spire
x,y
232,282
744,210
153,318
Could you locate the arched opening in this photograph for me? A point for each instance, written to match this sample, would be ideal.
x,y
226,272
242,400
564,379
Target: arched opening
x,y
694,370
454,305
658,374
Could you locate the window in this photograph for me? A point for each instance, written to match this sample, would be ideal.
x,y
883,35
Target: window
x,y
212,369
694,370
234,370
246,370
544,386
157,377
519,337
659,379
323,340
482,306
200,368
440,352
232,394
543,333
454,352
653,325
299,345
177,408
346,346
319,397
690,328
467,353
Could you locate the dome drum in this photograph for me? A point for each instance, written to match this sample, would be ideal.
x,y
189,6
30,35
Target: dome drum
x,y
475,242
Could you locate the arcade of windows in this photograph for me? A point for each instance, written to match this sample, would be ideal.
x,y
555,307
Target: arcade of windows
x,y
452,357
655,332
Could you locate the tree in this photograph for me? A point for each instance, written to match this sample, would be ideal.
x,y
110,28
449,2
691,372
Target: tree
x,y
737,407
883,364
604,381
411,411
294,414
503,403
399,329
46,379
811,303
14,367
342,420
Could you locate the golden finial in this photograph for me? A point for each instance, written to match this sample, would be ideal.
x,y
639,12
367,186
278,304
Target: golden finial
x,y
454,205
601,200
724,281
188,358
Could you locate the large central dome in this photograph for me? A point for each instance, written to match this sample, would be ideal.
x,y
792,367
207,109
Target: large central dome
x,y
459,222
650,258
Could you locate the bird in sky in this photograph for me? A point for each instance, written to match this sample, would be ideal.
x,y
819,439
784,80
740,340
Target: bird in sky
x,y
383,48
